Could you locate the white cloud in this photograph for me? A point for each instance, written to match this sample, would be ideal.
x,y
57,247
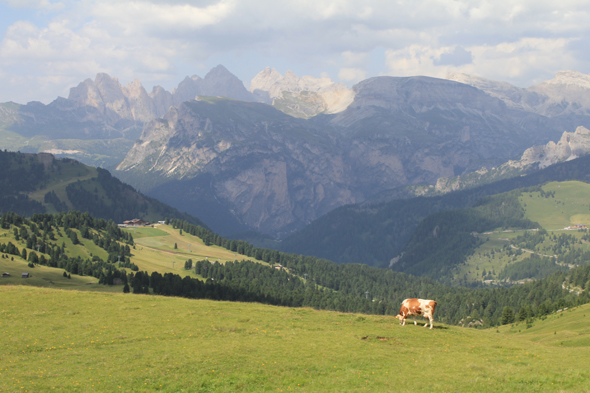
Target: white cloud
x,y
159,41
352,74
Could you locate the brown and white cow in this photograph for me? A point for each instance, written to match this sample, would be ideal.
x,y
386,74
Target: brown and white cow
x,y
416,307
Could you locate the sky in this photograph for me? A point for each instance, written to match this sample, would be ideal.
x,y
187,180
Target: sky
x,y
49,46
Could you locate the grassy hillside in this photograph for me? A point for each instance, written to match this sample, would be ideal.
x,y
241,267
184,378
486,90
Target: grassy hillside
x,y
154,250
85,341
558,206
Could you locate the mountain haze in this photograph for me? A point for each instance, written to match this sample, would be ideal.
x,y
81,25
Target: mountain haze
x,y
275,173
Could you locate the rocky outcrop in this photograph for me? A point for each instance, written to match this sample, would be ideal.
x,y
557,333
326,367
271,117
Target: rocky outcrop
x,y
272,171
571,146
300,97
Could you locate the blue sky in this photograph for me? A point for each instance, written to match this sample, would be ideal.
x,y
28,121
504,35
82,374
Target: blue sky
x,y
48,46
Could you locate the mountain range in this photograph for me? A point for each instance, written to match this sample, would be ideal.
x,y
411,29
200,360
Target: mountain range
x,y
276,157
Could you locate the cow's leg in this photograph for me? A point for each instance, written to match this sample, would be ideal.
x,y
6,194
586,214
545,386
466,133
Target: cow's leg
x,y
415,323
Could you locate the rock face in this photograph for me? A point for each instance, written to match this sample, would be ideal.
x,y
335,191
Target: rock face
x,y
271,170
571,146
276,173
300,97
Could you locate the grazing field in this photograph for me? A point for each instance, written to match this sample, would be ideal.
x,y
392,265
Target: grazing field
x,y
88,341
154,250
568,205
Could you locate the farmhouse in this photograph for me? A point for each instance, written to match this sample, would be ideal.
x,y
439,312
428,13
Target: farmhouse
x,y
25,275
5,274
136,222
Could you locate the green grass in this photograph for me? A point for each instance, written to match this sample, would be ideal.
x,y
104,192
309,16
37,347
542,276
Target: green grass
x,y
570,205
154,250
85,341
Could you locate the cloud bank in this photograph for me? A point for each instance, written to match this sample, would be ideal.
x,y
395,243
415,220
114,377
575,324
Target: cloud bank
x,y
48,46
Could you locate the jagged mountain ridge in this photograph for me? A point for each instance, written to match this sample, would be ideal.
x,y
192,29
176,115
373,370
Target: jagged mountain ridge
x,y
275,173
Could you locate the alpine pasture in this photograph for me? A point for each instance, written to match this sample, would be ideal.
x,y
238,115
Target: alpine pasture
x,y
88,341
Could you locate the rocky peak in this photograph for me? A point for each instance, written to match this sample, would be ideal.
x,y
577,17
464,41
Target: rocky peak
x,y
187,90
220,82
566,94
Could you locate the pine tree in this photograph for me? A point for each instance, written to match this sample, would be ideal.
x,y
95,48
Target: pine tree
x,y
507,316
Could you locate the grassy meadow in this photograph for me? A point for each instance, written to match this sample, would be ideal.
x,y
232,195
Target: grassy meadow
x,y
154,250
88,341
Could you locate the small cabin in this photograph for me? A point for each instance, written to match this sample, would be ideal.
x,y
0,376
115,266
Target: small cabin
x,y
25,275
136,222
5,274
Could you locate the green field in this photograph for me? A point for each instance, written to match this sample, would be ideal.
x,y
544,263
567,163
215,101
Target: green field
x,y
564,204
570,205
154,250
87,341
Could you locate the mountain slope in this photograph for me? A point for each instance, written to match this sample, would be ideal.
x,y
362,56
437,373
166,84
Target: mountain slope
x,y
39,183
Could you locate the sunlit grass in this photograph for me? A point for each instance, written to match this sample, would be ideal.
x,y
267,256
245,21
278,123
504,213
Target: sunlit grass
x,y
70,340
154,250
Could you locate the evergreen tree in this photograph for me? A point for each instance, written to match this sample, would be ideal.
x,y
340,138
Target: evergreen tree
x,y
507,316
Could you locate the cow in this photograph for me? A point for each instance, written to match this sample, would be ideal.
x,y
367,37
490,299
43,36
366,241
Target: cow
x,y
416,307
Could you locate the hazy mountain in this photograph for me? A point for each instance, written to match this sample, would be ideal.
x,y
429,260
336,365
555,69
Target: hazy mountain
x,y
570,146
300,97
568,94
274,173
